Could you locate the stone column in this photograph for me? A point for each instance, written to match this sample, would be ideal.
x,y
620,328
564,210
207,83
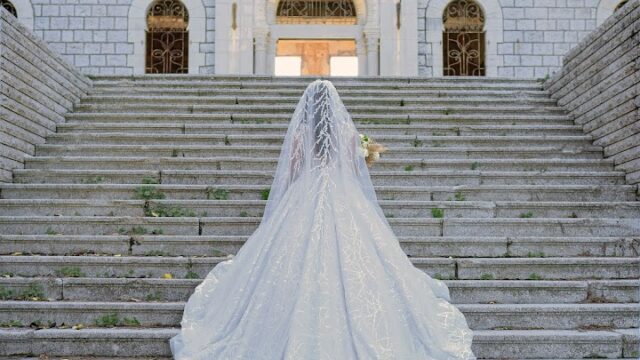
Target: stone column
x,y
372,38
261,36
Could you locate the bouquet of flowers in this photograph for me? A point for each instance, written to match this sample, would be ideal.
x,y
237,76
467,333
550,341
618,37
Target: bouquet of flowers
x,y
370,149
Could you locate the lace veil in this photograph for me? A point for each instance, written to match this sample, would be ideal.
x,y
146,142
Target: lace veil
x,y
321,137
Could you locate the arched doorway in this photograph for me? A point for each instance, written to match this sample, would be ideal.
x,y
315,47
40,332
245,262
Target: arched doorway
x,y
620,5
315,53
167,38
9,6
463,39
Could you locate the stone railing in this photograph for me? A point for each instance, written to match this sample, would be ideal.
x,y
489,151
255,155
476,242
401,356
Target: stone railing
x,y
37,88
599,85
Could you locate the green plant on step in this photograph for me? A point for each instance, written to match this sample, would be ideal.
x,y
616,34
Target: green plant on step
x,y
417,142
5,294
265,194
109,320
447,111
535,254
11,323
163,211
459,196
437,213
92,180
408,168
138,230
154,296
70,271
148,193
474,165
148,180
192,275
33,292
157,232
244,214
130,321
526,215
437,276
50,231
573,215
174,153
226,140
534,276
217,194
157,253
486,276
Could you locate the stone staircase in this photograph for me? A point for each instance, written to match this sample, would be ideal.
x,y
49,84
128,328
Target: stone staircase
x,y
488,185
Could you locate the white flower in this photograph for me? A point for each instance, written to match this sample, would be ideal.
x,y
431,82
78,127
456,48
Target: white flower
x,y
365,152
375,155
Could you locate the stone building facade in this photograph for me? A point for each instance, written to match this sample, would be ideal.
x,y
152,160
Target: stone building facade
x,y
517,38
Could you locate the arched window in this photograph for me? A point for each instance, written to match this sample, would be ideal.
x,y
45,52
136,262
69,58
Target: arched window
x,y
316,11
167,49
9,6
463,39
620,5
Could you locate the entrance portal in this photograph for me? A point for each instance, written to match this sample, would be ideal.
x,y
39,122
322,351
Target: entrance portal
x,y
316,58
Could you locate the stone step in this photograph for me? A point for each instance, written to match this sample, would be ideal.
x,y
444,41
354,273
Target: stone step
x,y
269,164
416,246
564,268
266,151
569,142
218,178
462,291
444,93
300,83
281,129
389,98
258,192
106,225
168,314
284,118
487,344
391,208
170,109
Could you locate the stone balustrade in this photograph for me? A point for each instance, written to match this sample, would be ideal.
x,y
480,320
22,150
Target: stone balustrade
x,y
599,84
37,88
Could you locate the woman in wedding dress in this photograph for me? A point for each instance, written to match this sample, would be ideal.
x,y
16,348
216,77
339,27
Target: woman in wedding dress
x,y
323,276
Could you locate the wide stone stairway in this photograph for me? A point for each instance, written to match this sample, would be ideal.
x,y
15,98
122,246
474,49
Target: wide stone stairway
x,y
152,180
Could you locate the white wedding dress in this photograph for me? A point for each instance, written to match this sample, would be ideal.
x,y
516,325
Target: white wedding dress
x,y
323,276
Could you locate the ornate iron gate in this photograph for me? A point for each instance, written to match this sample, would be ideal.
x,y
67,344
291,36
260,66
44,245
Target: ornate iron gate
x,y
463,39
9,6
167,46
335,11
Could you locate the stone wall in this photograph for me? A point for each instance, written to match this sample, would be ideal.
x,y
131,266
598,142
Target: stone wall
x,y
37,88
599,85
95,35
535,34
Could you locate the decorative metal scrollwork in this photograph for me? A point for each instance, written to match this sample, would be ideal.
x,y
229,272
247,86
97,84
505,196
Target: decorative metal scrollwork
x,y
167,38
296,11
463,39
620,5
9,6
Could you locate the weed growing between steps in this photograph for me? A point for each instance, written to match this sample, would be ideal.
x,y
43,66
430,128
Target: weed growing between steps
x,y
34,292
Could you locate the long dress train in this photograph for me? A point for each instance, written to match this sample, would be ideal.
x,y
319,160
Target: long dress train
x,y
323,276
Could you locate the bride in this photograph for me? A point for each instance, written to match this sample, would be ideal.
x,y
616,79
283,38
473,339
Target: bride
x,y
323,276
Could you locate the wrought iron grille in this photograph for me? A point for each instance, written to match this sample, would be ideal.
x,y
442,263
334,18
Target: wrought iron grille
x,y
9,6
620,5
293,11
167,38
463,39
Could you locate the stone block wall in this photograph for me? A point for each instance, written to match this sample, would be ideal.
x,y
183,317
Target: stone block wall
x,y
94,35
599,85
37,88
535,34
